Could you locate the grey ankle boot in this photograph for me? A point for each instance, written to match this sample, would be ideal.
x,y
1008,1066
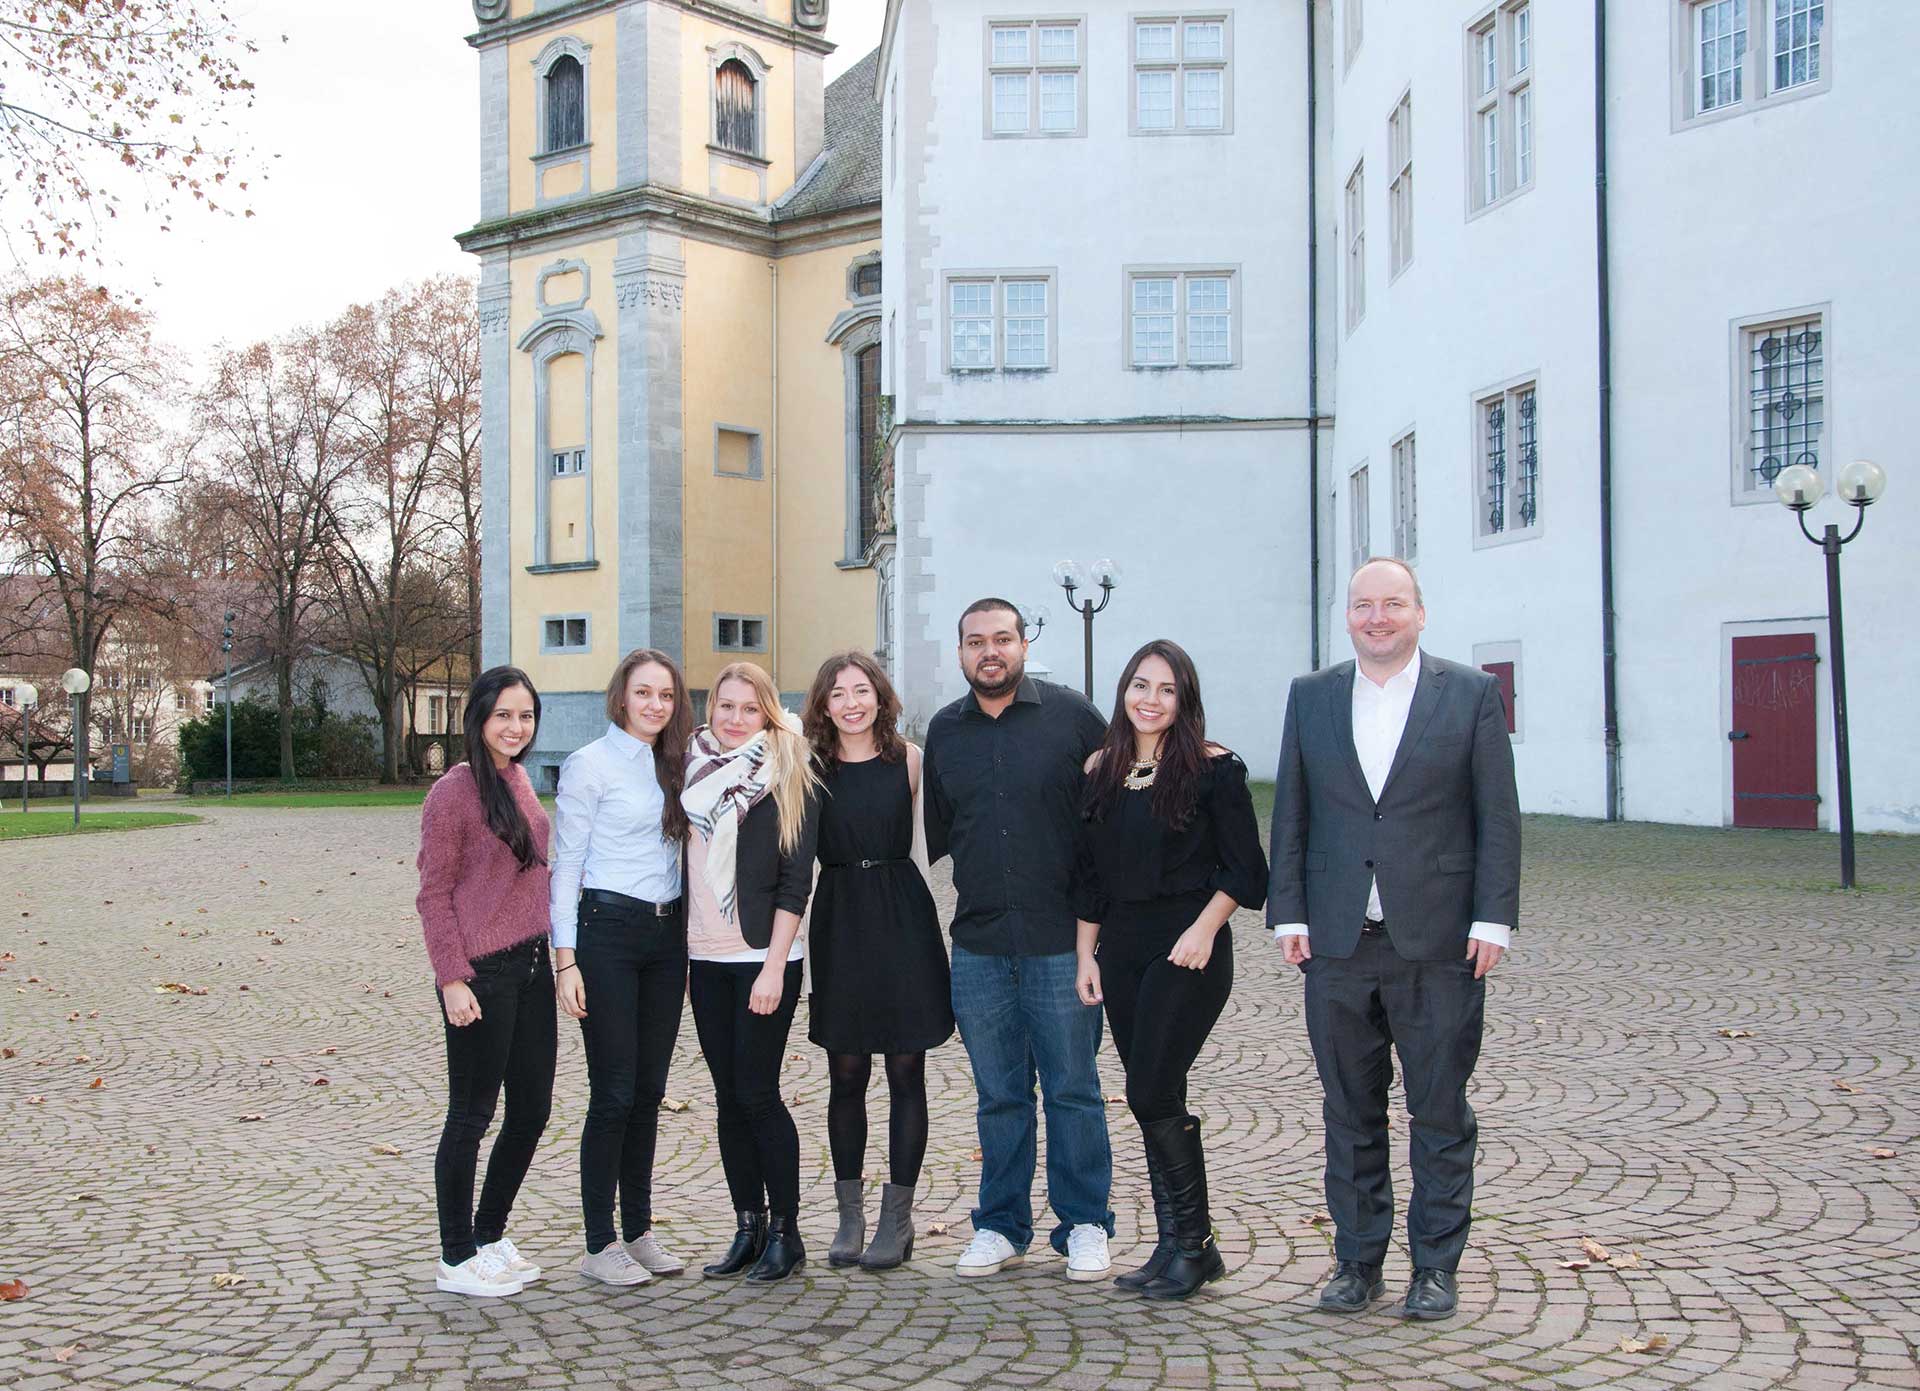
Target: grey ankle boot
x,y
853,1223
893,1234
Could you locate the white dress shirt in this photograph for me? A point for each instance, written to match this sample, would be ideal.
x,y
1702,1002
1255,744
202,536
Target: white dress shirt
x,y
1379,722
606,830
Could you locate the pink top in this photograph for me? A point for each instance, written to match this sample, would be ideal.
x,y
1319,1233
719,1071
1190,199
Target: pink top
x,y
474,898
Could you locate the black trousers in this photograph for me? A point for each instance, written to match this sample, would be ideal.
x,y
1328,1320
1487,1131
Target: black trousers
x,y
633,966
1160,1013
1358,1011
510,1047
759,1146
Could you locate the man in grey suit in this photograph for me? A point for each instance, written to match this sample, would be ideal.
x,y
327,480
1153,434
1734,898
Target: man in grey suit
x,y
1396,887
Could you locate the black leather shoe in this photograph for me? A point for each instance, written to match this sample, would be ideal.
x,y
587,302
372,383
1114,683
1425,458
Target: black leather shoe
x,y
748,1242
784,1253
1432,1295
1353,1287
1167,1245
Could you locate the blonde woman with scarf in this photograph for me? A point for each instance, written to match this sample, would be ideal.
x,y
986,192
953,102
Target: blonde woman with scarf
x,y
752,800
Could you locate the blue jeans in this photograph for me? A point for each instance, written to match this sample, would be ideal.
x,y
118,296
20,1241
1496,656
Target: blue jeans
x,y
1020,1017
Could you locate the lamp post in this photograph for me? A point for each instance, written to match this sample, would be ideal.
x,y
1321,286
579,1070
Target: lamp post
x,y
1859,485
1069,576
75,683
226,647
28,695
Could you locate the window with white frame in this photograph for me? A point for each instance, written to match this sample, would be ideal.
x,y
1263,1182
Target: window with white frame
x,y
1400,189
1359,521
1182,74
1035,79
565,633
1508,452
7,697
1357,245
1354,23
1000,321
1784,388
567,462
1740,54
435,710
1406,501
1182,317
737,632
1500,104
142,728
179,700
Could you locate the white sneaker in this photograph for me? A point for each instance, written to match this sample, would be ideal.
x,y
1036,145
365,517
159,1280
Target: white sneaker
x,y
1087,1253
518,1266
611,1265
483,1273
986,1253
647,1250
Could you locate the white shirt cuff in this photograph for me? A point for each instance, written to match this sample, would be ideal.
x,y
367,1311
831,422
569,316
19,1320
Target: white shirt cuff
x,y
1501,936
1289,930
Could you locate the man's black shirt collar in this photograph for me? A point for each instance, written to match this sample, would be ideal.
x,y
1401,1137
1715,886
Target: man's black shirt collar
x,y
1026,693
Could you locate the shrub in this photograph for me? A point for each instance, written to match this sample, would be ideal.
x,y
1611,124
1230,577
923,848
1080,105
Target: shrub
x,y
325,745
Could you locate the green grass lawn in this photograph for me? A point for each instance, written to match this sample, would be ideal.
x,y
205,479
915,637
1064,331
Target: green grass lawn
x,y
368,797
22,825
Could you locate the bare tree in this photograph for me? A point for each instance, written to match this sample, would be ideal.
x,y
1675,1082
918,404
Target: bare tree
x,y
450,323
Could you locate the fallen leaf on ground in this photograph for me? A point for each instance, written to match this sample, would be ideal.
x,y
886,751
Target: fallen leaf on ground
x,y
937,1228
386,1149
1320,1218
976,1154
33,980
153,1149
320,1082
328,1051
1115,1100
1884,1153
36,1101
266,1062
174,987
9,1053
74,1018
252,1116
1575,1265
93,1014
65,1354
226,1280
82,1058
1630,1261
84,1198
1653,1344
13,1289
673,1104
1595,1251
1736,1033
96,1084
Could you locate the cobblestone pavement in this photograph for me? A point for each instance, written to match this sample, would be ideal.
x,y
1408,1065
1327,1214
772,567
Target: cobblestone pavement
x,y
1692,1059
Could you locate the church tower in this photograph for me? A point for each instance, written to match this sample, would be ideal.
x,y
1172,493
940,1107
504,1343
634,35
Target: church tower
x,y
678,272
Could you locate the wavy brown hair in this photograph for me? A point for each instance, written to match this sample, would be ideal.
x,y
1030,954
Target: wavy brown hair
x,y
504,817
670,744
821,731
1183,748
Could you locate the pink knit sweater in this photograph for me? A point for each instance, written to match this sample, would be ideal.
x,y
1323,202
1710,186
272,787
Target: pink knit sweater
x,y
474,897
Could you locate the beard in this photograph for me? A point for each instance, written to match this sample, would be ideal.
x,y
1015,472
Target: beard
x,y
1005,685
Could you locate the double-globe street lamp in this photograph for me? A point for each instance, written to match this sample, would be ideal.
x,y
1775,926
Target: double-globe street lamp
x,y
76,683
1859,485
1070,577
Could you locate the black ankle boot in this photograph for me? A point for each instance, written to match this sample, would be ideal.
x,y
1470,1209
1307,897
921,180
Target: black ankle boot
x,y
748,1242
784,1254
1182,1162
1165,1246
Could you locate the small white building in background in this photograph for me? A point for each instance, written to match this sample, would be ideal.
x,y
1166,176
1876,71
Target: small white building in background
x,y
1096,334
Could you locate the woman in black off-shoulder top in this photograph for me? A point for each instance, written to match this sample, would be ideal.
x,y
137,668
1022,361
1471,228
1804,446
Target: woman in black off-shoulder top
x,y
1168,848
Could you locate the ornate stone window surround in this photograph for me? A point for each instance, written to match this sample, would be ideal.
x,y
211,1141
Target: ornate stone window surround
x,y
757,66
854,331
561,329
546,161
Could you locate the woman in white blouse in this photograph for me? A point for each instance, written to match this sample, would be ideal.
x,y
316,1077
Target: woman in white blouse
x,y
620,949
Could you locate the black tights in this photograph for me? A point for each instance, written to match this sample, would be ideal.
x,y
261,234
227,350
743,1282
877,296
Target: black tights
x,y
906,1120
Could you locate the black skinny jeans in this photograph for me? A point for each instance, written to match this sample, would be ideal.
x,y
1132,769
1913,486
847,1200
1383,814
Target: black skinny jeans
x,y
511,1046
633,967
759,1146
1160,1013
847,1077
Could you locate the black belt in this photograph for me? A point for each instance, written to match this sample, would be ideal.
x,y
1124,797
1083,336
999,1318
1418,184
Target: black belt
x,y
1373,927
630,904
866,864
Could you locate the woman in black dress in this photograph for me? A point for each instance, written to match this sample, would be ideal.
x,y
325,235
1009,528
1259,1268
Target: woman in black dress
x,y
1169,847
879,964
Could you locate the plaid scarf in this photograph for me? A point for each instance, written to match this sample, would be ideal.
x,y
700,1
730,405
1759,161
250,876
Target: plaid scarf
x,y
722,786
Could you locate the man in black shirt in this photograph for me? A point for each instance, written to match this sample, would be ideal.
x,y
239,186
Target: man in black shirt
x,y
1002,784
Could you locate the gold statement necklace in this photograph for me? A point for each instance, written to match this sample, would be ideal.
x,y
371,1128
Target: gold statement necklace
x,y
1140,776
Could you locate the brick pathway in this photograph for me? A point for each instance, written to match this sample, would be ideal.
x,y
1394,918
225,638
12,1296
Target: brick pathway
x,y
1773,1248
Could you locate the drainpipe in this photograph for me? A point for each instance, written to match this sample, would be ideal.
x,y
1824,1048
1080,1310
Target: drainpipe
x,y
1608,687
1313,347
774,636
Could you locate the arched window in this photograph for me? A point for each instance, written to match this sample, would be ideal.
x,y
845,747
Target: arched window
x,y
566,103
867,367
733,105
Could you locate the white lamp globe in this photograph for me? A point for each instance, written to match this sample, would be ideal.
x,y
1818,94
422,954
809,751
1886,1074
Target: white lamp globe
x,y
1798,487
1860,483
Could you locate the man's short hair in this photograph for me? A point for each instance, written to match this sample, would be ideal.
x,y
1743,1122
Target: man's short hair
x,y
988,605
1418,598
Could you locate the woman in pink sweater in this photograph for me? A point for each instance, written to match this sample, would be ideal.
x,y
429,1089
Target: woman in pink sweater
x,y
483,908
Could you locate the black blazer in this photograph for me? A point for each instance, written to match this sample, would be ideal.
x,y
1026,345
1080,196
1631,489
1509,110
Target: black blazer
x,y
764,879
1444,838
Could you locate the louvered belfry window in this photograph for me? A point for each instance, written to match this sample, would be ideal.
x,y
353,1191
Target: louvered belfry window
x,y
733,107
566,104
867,363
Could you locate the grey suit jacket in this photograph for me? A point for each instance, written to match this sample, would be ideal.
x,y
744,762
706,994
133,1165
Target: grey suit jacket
x,y
1444,838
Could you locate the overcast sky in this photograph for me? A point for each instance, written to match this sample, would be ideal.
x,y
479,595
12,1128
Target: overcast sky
x,y
367,121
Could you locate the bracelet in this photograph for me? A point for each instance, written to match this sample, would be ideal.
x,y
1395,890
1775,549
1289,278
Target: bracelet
x,y
570,966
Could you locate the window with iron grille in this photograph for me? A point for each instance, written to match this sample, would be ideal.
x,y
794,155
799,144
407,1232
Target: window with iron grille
x,y
867,365
1182,74
733,632
1509,463
566,103
866,279
1359,518
1406,501
1500,104
735,108
1035,80
1734,55
1357,246
1786,397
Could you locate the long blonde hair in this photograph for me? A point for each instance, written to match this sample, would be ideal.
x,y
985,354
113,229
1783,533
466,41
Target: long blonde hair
x,y
790,772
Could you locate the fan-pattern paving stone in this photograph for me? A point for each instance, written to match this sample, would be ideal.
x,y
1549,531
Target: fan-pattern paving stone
x,y
1773,1249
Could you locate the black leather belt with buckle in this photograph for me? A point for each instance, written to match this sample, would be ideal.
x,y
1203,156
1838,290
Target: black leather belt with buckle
x,y
867,864
628,903
1373,927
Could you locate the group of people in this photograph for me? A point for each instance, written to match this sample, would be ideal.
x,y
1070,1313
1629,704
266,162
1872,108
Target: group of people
x,y
1096,864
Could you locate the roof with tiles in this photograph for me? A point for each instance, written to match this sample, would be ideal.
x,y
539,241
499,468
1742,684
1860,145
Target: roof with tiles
x,y
847,174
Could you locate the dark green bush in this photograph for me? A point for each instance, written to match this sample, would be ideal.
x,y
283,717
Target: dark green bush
x,y
325,745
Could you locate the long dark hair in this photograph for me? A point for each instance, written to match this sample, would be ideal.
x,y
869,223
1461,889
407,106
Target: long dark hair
x,y
670,744
1183,748
824,734
504,818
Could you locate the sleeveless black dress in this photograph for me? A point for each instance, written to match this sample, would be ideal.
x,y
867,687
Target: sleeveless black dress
x,y
880,980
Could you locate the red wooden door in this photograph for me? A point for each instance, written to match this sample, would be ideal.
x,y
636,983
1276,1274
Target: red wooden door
x,y
1775,700
1503,673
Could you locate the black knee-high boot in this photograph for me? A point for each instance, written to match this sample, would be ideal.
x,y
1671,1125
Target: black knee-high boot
x,y
1184,1167
1166,1245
